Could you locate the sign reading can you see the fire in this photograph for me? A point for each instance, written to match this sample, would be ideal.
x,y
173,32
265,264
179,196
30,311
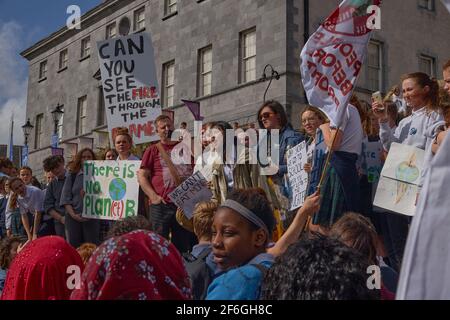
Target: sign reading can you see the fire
x,y
111,189
130,86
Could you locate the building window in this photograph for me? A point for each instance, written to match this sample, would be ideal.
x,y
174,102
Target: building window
x,y
248,54
169,83
205,71
39,131
82,115
139,19
85,47
374,67
111,30
63,58
170,6
426,4
60,126
101,108
427,65
43,70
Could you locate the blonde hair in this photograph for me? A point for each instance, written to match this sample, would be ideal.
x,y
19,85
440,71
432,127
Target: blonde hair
x,y
85,251
203,218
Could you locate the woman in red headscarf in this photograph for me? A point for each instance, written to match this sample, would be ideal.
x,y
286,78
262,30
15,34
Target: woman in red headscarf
x,y
139,265
45,269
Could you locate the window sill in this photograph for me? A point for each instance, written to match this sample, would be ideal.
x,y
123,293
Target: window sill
x,y
61,70
42,79
85,57
198,1
139,30
169,15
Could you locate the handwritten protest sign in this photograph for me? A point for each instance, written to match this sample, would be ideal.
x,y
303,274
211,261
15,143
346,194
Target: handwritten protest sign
x,y
373,166
130,86
193,190
398,185
298,178
332,58
111,189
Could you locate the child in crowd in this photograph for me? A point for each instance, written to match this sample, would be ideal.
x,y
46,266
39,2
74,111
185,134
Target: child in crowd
x,y
8,251
85,251
128,224
40,271
318,269
242,228
357,232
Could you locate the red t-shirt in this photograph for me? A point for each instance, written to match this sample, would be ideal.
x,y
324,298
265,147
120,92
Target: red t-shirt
x,y
160,178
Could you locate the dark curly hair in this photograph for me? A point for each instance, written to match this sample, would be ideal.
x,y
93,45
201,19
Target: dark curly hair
x,y
318,269
5,251
255,200
127,225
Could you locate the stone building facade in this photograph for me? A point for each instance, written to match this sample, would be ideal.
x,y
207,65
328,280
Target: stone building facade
x,y
215,52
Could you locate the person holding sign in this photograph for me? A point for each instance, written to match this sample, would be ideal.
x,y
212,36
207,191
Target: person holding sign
x,y
340,188
78,229
158,177
421,95
123,143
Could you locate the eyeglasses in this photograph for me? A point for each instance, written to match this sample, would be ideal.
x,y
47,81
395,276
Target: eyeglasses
x,y
306,120
265,115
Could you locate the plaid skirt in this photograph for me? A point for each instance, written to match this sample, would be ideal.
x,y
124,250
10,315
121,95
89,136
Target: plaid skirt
x,y
332,205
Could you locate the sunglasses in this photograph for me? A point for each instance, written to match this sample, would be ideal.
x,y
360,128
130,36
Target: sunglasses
x,y
265,115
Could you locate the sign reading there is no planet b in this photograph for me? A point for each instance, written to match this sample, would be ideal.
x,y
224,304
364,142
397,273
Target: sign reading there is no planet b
x,y
130,86
111,189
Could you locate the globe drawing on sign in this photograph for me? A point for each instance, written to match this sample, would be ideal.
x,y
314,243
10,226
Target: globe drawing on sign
x,y
117,189
406,172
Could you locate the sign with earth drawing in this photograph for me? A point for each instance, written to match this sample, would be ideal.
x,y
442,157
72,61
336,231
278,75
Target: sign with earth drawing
x,y
398,187
111,189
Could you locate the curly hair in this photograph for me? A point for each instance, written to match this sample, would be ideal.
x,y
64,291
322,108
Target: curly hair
x,y
75,165
5,251
127,225
319,268
85,251
52,162
255,200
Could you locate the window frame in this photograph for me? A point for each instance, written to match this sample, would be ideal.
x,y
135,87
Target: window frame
x,y
111,26
135,19
432,60
245,59
80,118
380,67
43,68
39,133
63,63
84,47
170,65
202,74
168,5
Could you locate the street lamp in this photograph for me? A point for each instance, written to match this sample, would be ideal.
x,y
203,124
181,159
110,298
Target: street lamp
x,y
27,128
56,115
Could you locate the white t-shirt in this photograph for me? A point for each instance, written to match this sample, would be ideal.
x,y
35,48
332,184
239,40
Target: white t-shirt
x,y
32,202
352,131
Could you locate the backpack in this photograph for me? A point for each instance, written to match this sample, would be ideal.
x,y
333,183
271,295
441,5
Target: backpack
x,y
199,273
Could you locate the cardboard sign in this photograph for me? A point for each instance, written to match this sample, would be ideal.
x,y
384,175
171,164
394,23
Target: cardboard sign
x,y
111,189
298,177
192,191
398,185
130,86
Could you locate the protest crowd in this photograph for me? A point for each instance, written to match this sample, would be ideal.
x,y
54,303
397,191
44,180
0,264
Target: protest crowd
x,y
265,211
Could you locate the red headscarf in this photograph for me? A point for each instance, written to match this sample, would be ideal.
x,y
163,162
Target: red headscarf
x,y
41,271
139,265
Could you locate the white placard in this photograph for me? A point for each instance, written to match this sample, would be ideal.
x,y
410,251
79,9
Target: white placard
x,y
298,178
130,86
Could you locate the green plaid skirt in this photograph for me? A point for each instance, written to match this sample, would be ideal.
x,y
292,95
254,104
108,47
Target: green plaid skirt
x,y
332,205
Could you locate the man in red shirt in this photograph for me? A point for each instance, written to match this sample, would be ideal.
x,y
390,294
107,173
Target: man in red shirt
x,y
157,181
